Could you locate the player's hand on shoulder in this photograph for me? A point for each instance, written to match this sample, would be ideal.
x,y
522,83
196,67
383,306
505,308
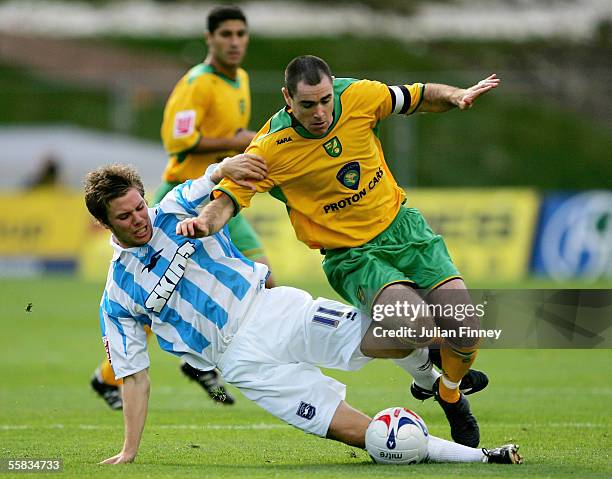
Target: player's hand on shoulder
x,y
192,228
242,139
121,458
244,169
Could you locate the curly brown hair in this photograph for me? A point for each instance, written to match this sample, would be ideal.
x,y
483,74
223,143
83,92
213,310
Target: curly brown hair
x,y
107,183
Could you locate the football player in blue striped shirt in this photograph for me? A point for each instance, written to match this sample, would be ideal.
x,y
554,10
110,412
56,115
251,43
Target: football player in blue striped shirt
x,y
207,304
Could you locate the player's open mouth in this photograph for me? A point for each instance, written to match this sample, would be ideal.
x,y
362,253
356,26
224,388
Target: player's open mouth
x,y
141,233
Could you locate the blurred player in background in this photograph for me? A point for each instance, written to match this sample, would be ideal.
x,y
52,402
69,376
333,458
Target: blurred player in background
x,y
207,303
205,119
326,163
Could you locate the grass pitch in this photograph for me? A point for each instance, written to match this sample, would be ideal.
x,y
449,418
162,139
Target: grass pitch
x,y
555,404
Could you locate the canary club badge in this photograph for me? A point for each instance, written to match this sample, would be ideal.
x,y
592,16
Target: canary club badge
x,y
333,147
349,175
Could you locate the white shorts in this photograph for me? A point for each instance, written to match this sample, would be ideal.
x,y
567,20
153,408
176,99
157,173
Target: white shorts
x,y
273,357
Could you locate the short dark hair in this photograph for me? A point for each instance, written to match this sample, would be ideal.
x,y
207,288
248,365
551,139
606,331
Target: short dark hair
x,y
222,13
307,68
107,183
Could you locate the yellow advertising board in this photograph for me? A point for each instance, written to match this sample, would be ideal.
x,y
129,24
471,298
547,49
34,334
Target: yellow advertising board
x,y
489,232
46,223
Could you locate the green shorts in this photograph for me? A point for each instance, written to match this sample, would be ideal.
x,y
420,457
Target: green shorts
x,y
407,251
241,232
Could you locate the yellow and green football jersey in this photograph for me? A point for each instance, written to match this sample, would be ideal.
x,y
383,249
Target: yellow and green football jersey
x,y
337,188
203,103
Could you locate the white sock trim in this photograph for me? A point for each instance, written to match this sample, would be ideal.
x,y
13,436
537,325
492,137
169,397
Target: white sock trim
x,y
449,384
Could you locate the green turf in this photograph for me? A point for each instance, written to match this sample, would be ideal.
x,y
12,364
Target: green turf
x,y
555,404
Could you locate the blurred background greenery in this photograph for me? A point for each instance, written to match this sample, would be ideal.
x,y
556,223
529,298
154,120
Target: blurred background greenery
x,y
108,67
549,126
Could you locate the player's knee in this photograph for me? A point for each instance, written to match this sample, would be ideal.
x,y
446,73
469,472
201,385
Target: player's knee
x,y
377,343
372,347
401,313
378,353
466,332
464,343
472,322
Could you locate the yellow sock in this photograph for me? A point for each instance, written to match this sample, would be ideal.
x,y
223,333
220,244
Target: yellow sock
x,y
455,363
108,375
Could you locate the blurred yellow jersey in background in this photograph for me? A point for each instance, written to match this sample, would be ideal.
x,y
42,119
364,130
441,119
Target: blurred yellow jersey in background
x,y
203,103
338,189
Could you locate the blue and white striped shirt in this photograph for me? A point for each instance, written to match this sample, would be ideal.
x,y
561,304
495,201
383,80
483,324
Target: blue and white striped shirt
x,y
191,292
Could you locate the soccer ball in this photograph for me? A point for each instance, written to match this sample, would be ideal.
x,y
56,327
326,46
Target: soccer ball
x,y
397,436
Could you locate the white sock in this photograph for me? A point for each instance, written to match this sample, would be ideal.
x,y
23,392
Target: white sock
x,y
418,365
441,450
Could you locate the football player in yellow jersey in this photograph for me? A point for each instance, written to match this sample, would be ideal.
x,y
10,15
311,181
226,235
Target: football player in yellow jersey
x,y
205,120
325,161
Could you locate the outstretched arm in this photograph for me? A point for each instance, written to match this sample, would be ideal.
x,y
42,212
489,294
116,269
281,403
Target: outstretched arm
x,y
439,98
244,169
135,405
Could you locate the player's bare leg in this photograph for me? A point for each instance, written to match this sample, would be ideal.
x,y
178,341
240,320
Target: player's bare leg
x,y
464,427
376,346
348,426
458,354
402,350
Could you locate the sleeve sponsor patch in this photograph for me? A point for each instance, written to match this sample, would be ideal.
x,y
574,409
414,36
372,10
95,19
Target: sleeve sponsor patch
x,y
184,123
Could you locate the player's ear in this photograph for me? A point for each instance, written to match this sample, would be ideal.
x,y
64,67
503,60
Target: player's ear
x,y
286,96
207,36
